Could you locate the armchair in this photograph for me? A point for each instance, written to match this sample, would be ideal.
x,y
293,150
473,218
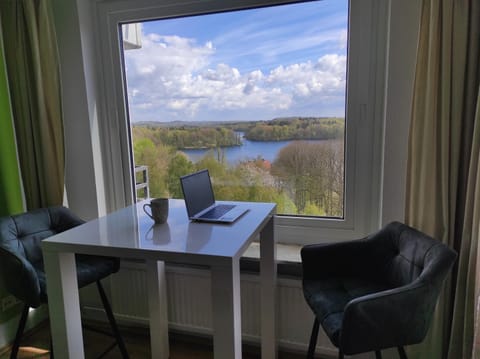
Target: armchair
x,y
375,293
21,263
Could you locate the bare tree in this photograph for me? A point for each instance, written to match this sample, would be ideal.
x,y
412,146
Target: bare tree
x,y
312,173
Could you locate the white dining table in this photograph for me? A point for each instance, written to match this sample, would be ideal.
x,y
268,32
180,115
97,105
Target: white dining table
x,y
130,233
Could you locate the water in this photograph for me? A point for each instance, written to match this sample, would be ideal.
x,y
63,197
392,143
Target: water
x,y
249,150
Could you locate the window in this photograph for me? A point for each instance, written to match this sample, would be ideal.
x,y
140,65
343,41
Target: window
x,y
256,96
364,107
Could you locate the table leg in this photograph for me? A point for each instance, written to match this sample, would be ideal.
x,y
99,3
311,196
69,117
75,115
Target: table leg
x,y
268,280
64,305
226,311
158,309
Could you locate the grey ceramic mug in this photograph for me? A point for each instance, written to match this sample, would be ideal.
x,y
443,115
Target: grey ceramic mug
x,y
158,209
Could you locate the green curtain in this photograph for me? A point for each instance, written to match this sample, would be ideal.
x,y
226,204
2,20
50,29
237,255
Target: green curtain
x,y
11,200
33,73
443,182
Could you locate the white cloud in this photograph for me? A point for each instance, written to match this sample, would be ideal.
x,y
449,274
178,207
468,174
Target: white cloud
x,y
172,78
144,106
326,77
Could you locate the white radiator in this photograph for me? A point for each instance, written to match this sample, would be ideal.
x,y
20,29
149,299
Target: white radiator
x,y
189,306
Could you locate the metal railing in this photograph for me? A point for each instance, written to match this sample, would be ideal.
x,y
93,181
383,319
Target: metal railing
x,y
142,189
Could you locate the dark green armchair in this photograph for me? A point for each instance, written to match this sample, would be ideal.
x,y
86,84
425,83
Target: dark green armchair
x,y
375,293
21,262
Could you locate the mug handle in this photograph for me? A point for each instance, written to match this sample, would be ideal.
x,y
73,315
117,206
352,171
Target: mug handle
x,y
148,214
148,232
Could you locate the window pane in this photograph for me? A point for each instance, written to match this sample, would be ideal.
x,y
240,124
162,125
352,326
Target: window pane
x,y
256,96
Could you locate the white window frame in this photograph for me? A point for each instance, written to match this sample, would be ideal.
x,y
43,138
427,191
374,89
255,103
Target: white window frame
x,y
367,54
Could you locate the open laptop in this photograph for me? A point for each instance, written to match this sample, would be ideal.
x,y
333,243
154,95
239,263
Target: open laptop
x,y
200,201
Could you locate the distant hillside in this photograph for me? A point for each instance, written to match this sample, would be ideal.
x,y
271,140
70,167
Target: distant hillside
x,y
297,128
183,124
229,124
190,134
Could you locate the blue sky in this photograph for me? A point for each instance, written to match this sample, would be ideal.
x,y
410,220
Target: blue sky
x,y
253,64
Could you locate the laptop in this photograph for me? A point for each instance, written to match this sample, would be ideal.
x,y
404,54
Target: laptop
x,y
200,201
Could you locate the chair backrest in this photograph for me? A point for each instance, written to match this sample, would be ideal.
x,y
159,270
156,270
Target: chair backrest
x,y
413,266
20,238
404,254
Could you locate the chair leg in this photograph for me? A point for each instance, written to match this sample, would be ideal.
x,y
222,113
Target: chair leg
x,y
111,319
340,354
378,354
401,353
51,347
313,339
20,329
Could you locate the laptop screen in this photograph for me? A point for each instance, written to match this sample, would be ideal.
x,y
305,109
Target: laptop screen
x,y
197,191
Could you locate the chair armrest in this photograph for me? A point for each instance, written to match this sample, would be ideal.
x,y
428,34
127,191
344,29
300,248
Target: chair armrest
x,y
334,259
63,219
391,318
22,280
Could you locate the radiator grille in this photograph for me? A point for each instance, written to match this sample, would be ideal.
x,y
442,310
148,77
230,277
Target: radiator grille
x,y
189,306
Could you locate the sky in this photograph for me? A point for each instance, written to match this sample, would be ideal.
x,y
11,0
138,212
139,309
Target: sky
x,y
247,65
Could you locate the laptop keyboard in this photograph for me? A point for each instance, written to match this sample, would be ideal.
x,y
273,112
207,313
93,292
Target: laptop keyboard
x,y
217,211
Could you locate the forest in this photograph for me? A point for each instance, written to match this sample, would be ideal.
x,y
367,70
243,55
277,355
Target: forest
x,y
297,129
191,135
306,177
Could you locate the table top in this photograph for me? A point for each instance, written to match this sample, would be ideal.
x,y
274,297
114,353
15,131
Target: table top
x,y
129,232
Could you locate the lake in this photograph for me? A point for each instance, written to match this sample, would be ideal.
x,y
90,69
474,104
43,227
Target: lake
x,y
249,150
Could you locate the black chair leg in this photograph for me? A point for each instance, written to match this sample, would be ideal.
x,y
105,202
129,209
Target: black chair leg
x,y
51,347
313,339
378,354
20,329
401,353
111,319
340,354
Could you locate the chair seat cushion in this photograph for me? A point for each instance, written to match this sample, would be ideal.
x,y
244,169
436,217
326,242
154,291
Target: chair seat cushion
x,y
328,298
89,270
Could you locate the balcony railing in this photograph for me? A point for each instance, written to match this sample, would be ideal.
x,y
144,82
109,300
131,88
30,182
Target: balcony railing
x,y
142,188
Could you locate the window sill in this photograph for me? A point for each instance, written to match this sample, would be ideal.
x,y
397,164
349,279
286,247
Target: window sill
x,y
285,252
287,256
288,261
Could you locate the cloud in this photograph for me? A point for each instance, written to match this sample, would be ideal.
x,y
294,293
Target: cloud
x,y
173,77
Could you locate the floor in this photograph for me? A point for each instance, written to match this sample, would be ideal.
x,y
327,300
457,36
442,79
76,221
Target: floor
x,y
137,341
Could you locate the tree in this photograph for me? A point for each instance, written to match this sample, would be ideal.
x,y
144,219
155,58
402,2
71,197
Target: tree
x,y
179,166
312,173
292,167
156,157
312,210
216,168
297,129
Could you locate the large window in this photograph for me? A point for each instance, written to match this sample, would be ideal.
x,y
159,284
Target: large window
x,y
256,96
232,90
